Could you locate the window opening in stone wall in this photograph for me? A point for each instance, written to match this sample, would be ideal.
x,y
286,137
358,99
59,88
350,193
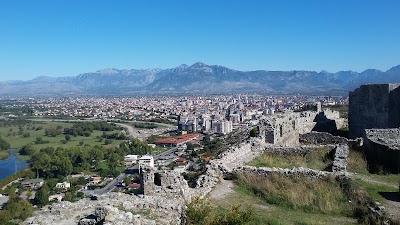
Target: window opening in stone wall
x,y
157,179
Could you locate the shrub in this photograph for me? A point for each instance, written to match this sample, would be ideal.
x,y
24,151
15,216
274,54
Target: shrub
x,y
199,211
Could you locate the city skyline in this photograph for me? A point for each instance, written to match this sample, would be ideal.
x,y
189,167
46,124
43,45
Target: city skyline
x,y
67,39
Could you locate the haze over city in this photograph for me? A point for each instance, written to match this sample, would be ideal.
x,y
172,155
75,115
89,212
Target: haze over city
x,y
50,38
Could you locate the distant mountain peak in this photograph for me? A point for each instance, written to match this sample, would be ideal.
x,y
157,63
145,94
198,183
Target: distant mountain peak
x,y
182,67
394,69
108,71
198,65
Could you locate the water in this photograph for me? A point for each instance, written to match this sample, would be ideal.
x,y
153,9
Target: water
x,y
7,166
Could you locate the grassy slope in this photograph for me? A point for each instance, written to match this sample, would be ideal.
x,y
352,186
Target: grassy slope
x,y
315,160
265,213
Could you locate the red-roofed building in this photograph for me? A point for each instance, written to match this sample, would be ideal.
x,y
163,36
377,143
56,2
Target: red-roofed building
x,y
176,141
207,159
180,160
133,186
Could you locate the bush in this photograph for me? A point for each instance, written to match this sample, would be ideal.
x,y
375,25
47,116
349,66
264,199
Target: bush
x,y
200,212
27,150
80,194
253,132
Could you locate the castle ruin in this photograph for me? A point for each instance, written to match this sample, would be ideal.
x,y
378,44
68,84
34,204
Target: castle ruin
x,y
374,106
284,129
374,109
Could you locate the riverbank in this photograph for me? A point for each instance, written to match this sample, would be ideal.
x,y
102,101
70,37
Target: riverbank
x,y
11,164
3,155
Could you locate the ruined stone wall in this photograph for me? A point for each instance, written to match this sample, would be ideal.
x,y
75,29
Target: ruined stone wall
x,y
164,183
305,121
373,106
295,172
340,160
122,209
382,148
284,129
317,138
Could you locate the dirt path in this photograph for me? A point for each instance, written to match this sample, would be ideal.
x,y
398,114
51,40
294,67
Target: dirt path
x,y
371,180
392,203
222,189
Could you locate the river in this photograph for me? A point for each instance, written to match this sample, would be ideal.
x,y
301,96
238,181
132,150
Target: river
x,y
7,166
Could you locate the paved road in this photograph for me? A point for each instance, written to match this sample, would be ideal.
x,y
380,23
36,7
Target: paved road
x,y
110,186
129,129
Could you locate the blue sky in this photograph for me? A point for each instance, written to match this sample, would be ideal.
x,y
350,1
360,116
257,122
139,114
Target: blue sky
x,y
64,38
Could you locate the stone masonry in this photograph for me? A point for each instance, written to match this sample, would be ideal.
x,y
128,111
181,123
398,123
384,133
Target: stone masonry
x,y
374,106
284,129
382,147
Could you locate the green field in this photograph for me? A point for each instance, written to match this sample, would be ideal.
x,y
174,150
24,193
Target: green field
x,y
13,136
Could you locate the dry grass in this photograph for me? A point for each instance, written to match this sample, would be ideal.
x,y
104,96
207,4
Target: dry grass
x,y
356,162
318,160
298,193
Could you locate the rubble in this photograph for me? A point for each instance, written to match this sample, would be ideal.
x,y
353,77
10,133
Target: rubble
x,y
121,209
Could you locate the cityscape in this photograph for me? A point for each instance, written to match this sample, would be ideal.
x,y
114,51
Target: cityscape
x,y
199,113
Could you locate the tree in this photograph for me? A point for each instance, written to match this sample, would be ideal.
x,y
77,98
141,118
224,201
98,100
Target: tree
x,y
112,161
253,132
80,194
127,181
197,210
97,155
67,137
42,196
27,150
65,167
5,216
4,145
81,181
68,197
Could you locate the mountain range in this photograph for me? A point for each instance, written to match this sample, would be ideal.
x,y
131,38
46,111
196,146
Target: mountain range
x,y
198,78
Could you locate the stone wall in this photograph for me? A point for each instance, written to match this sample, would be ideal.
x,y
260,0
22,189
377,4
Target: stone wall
x,y
295,172
284,129
382,148
121,209
317,138
374,106
235,156
340,160
165,183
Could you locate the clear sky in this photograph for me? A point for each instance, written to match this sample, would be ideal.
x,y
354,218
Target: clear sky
x,y
64,38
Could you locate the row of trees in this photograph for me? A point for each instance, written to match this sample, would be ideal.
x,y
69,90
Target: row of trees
x,y
87,128
61,162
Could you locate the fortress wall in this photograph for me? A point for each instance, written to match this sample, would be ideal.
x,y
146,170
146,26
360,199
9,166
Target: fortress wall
x,y
373,106
382,148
